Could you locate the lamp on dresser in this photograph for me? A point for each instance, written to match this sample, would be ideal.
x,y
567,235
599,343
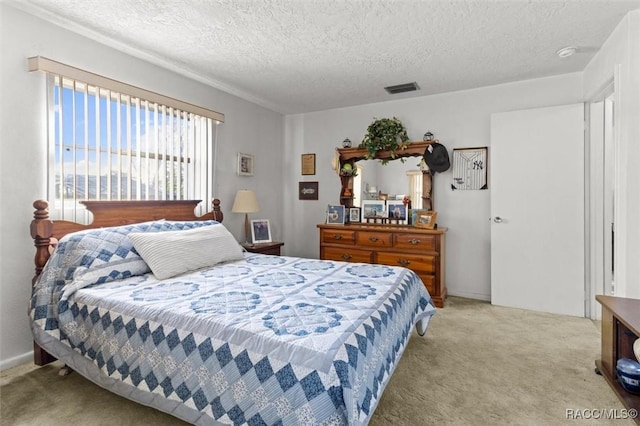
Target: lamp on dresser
x,y
245,202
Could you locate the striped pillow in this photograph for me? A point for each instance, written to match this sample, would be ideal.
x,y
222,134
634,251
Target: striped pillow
x,y
172,253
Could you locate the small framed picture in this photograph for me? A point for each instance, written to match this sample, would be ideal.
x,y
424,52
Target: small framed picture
x,y
414,215
307,190
396,210
373,209
308,164
245,164
426,220
335,215
354,214
260,231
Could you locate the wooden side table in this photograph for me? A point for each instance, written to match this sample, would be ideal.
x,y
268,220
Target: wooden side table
x,y
264,248
620,328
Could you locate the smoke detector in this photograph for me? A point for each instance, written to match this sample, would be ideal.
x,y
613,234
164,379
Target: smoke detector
x,y
565,52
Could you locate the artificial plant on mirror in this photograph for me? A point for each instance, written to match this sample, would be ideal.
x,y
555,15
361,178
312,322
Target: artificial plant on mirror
x,y
385,134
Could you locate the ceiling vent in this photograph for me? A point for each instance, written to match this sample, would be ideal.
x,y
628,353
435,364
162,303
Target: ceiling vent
x,y
401,88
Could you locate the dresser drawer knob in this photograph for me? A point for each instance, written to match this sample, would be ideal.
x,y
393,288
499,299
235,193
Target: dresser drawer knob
x,y
414,241
346,256
373,238
337,236
403,262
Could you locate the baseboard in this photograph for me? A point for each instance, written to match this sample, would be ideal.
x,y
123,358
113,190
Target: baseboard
x,y
6,364
468,295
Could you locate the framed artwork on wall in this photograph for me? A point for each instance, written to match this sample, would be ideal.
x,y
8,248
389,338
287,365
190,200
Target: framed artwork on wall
x,y
470,168
308,164
307,190
245,164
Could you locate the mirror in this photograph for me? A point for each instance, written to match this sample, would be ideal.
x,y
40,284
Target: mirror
x,y
390,179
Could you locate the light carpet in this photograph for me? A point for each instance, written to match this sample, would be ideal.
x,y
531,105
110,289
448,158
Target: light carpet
x,y
478,364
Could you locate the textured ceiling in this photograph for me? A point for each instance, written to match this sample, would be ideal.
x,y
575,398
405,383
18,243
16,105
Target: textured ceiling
x,y
298,56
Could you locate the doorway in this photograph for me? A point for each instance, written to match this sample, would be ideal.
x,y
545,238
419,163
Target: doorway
x,y
602,200
538,208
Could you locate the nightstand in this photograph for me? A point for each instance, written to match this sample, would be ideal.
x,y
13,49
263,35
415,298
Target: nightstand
x,y
264,248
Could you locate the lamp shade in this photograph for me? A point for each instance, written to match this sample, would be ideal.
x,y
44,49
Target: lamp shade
x,y
245,202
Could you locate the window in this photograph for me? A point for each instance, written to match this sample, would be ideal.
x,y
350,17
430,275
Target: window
x,y
107,144
415,188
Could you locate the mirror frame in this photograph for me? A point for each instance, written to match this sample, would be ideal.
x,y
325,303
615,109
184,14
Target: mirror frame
x,y
353,155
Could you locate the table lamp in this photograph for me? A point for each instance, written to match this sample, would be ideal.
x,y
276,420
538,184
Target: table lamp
x,y
245,202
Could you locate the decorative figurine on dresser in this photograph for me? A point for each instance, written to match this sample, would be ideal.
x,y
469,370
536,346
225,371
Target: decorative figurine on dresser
x,y
416,243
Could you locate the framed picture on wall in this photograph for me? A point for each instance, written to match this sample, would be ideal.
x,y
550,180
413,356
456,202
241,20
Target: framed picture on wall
x,y
245,164
469,168
307,190
308,164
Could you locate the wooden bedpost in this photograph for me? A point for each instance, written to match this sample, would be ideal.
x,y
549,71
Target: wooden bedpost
x,y
217,212
41,232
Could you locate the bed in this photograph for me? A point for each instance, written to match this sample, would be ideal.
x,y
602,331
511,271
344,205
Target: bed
x,y
245,339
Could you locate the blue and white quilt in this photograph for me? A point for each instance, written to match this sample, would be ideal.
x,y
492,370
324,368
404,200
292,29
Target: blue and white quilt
x,y
264,340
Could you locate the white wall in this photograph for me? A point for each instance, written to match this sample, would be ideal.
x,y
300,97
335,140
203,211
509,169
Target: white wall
x,y
621,54
248,128
459,119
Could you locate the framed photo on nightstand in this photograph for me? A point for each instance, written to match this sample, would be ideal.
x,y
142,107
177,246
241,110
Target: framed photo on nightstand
x,y
260,231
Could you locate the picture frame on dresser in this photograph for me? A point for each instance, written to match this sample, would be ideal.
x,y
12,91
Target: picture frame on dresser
x,y
413,215
396,210
335,215
354,214
373,210
426,220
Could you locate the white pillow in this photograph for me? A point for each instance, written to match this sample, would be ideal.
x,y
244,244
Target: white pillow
x,y
172,253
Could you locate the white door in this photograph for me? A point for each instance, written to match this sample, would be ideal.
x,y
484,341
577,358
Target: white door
x,y
537,209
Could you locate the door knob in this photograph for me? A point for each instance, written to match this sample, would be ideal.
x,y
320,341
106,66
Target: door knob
x,y
497,219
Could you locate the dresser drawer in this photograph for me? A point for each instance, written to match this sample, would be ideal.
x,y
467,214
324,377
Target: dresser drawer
x,y
374,239
338,236
415,242
346,254
415,262
429,282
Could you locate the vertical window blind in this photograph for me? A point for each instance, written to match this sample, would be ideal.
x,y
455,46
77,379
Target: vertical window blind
x,y
106,144
415,188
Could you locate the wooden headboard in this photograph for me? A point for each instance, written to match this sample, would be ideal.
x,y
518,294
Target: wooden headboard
x,y
109,213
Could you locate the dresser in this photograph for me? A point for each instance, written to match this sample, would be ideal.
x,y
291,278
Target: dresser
x,y
620,329
421,250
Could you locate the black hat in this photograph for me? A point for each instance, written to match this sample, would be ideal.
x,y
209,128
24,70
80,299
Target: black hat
x,y
437,158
